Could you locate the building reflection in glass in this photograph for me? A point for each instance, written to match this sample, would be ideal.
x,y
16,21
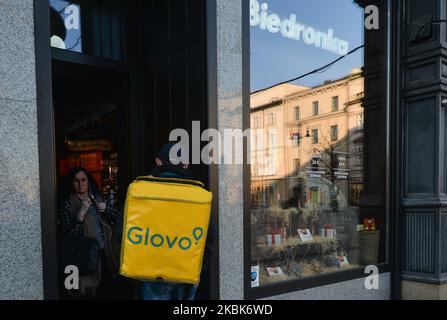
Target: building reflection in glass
x,y
317,147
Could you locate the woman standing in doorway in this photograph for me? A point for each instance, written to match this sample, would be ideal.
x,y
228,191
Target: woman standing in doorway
x,y
84,216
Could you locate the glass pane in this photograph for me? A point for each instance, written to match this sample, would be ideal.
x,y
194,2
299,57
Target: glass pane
x,y
92,27
66,25
318,202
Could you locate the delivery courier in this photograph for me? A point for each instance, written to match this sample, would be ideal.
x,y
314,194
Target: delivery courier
x,y
165,229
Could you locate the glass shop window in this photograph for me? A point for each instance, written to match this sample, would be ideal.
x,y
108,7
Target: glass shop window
x,y
92,27
90,126
323,210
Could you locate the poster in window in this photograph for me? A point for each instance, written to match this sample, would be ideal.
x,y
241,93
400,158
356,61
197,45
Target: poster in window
x,y
274,271
305,235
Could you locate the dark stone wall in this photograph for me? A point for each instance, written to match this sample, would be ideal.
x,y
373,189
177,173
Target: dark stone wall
x,y
423,198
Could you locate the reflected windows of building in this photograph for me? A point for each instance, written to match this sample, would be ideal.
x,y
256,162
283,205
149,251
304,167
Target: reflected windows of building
x,y
356,191
296,166
334,133
315,136
334,103
272,139
271,118
319,189
359,154
296,137
314,195
65,25
295,141
297,113
315,108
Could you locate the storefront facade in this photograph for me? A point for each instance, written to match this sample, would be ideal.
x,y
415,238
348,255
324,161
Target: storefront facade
x,y
347,162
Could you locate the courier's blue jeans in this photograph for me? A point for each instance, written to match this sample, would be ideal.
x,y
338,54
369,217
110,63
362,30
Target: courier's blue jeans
x,y
165,291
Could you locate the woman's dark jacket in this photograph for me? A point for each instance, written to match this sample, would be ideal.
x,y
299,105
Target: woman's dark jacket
x,y
69,225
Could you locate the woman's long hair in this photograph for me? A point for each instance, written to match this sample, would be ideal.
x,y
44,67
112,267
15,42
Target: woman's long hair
x,y
67,183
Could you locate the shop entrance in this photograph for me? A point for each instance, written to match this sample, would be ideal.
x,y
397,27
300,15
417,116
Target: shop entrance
x,y
123,75
91,131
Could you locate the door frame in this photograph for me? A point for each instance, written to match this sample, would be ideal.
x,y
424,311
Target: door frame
x,y
47,150
213,174
47,146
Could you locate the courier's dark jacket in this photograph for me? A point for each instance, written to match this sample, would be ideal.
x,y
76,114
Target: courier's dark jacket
x,y
170,171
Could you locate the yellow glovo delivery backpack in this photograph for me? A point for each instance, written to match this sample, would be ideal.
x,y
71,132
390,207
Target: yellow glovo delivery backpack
x,y
165,227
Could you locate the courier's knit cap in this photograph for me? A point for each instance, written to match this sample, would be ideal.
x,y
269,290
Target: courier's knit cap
x,y
163,154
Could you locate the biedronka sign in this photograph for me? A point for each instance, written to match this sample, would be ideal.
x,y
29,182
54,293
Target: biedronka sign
x,y
261,17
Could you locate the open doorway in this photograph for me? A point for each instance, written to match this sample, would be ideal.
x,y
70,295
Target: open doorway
x,y
91,107
123,76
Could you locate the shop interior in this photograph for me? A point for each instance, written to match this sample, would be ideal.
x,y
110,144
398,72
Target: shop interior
x,y
91,112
